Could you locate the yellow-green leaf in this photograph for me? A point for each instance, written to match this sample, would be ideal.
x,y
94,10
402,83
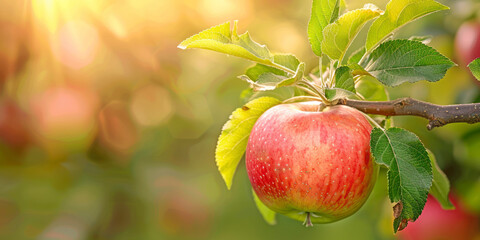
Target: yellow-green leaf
x,y
356,56
287,60
225,40
397,14
233,140
267,214
269,81
324,12
338,35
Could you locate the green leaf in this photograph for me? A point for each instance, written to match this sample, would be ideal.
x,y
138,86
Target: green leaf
x,y
440,185
409,171
357,70
233,140
295,78
287,60
398,61
337,93
356,56
265,82
225,40
270,81
397,14
344,79
371,89
258,69
338,36
267,214
221,39
475,68
324,12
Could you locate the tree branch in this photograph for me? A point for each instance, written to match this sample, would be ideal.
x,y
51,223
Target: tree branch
x,y
438,115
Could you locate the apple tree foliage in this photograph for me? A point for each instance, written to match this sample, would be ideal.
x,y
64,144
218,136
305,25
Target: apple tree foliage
x,y
382,61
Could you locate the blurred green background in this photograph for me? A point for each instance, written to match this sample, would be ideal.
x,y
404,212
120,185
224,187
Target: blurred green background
x,y
108,131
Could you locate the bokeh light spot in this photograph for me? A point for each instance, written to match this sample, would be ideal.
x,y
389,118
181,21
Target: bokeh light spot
x,y
151,105
116,127
223,10
76,44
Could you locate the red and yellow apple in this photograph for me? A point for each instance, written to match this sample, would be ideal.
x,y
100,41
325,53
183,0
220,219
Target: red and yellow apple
x,y
437,223
310,163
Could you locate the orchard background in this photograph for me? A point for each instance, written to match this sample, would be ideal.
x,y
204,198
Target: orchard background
x,y
108,131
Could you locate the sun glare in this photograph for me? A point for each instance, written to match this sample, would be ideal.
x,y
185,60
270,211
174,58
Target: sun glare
x,y
47,13
75,44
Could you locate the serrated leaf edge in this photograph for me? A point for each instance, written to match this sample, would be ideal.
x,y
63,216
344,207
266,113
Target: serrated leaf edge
x,y
227,181
388,175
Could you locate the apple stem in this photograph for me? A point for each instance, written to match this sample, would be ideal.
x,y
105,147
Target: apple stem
x,y
308,221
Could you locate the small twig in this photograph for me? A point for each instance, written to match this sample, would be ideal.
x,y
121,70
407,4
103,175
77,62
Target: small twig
x,y
307,90
318,92
438,115
320,65
303,98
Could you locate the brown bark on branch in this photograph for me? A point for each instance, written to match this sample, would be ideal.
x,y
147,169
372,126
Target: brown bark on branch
x,y
438,115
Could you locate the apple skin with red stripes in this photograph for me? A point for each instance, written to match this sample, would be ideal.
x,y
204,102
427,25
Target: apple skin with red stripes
x,y
305,160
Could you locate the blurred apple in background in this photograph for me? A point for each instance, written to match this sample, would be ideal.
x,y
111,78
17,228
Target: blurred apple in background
x,y
65,115
436,223
467,42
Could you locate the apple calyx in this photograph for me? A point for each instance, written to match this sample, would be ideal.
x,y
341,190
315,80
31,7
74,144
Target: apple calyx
x,y
308,221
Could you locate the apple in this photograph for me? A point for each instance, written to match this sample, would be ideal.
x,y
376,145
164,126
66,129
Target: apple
x,y
64,113
310,163
63,119
467,42
438,223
